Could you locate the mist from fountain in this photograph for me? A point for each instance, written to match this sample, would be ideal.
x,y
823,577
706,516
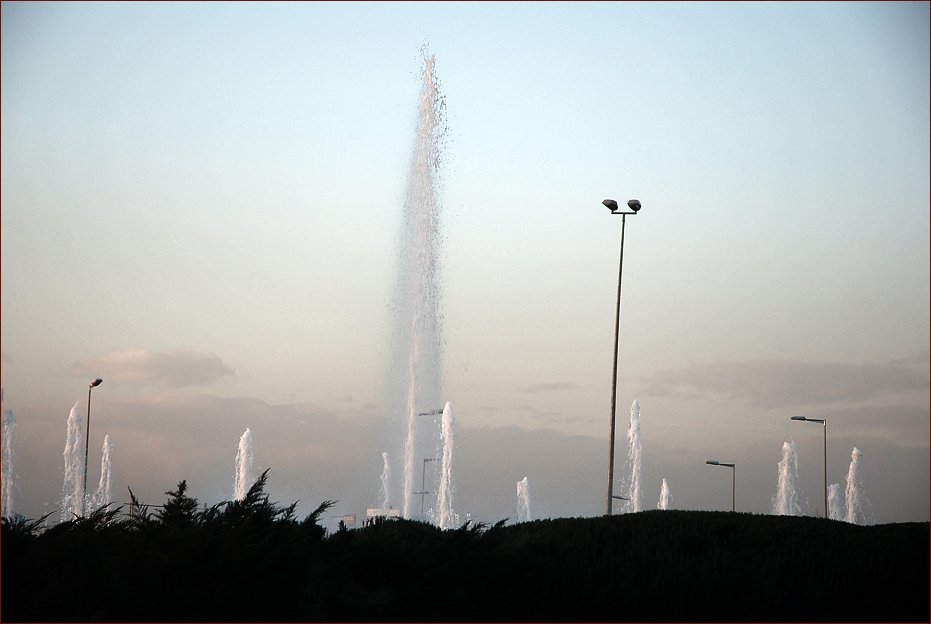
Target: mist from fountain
x,y
243,478
858,506
634,457
786,500
665,497
523,501
7,476
104,494
417,355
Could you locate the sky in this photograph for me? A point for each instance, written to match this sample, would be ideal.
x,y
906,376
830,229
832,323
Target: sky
x,y
201,205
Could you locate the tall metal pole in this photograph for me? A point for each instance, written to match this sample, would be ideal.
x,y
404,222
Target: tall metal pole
x,y
423,482
423,485
734,487
825,468
87,440
617,326
733,467
824,423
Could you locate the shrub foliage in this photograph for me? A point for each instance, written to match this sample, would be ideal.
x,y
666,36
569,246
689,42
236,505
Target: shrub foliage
x,y
252,560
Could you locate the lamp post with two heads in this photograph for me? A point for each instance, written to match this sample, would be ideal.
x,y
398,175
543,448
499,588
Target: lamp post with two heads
x,y
634,206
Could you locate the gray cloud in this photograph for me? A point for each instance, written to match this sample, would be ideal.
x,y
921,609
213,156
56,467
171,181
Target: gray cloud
x,y
547,418
553,386
901,426
789,383
173,368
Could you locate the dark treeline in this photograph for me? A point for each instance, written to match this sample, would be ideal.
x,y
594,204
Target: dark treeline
x,y
253,560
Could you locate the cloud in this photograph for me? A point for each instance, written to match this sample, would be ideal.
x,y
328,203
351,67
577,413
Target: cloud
x,y
789,383
553,386
901,426
546,418
173,368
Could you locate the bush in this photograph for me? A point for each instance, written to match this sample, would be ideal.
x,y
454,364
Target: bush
x,y
252,560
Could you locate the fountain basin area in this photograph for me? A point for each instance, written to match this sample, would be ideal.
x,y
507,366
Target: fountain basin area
x,y
253,561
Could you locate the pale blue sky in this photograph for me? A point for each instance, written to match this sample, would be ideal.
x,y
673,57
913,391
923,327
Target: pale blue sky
x,y
226,180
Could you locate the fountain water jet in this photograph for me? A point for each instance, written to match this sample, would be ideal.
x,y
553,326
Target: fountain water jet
x,y
634,456
448,518
523,501
6,476
72,489
858,507
665,497
243,478
104,495
385,482
835,502
785,502
417,357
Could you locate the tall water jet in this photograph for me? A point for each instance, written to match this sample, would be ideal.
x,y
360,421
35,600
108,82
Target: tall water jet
x,y
417,359
104,494
523,501
243,479
72,490
665,497
7,476
448,518
634,455
835,502
858,507
785,502
385,482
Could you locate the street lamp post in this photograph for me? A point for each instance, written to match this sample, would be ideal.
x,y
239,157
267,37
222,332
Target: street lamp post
x,y
824,423
87,440
634,206
423,477
423,480
733,467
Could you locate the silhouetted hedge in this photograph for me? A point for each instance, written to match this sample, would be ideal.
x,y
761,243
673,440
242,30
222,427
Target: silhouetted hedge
x,y
252,560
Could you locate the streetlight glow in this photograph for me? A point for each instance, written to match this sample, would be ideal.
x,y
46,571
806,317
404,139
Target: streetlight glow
x,y
635,206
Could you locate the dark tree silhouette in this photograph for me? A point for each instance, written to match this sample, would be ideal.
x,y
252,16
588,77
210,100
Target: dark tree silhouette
x,y
253,560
